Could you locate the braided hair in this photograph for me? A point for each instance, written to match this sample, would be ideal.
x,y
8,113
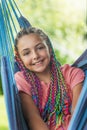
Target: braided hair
x,y
58,102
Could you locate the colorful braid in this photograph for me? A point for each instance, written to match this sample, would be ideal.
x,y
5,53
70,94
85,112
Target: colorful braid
x,y
58,102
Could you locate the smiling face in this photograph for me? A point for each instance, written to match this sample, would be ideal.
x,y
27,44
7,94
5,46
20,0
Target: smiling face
x,y
34,53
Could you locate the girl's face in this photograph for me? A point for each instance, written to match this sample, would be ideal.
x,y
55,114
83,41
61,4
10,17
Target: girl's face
x,y
34,53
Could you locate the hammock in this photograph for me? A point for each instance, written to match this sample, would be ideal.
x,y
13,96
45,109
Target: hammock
x,y
79,118
8,14
9,17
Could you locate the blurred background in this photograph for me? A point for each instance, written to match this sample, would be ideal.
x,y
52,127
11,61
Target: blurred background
x,y
64,21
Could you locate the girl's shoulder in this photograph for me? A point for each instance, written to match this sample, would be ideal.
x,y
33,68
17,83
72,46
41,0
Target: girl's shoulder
x,y
72,75
21,83
68,70
19,74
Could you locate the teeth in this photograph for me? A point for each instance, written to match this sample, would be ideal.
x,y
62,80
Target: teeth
x,y
37,62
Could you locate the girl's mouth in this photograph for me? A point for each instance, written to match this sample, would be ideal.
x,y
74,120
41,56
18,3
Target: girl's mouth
x,y
38,62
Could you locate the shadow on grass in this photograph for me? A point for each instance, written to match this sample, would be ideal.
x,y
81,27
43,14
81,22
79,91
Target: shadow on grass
x,y
3,128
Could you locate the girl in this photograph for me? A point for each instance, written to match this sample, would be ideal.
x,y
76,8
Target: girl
x,y
48,91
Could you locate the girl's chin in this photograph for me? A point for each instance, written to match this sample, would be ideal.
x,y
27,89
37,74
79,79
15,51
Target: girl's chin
x,y
39,70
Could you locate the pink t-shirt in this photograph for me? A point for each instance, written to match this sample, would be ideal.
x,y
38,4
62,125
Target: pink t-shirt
x,y
72,75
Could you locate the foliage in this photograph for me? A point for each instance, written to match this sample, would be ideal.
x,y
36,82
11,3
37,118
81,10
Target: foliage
x,y
60,58
3,115
62,20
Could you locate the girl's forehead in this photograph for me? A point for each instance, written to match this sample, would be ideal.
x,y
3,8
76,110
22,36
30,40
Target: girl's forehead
x,y
30,38
29,41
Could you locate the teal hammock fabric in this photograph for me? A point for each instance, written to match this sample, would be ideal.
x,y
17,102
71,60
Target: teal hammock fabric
x,y
11,20
9,13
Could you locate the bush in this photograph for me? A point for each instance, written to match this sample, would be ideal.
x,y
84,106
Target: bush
x,y
63,59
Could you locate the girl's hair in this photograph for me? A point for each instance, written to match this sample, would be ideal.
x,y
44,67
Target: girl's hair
x,y
27,31
58,101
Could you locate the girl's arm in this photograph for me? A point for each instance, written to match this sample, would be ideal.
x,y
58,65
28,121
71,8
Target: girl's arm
x,y
76,92
31,113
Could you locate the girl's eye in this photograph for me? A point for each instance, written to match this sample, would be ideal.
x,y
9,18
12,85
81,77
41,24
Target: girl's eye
x,y
41,47
26,53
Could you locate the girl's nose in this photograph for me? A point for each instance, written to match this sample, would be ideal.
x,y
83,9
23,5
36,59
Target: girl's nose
x,y
35,55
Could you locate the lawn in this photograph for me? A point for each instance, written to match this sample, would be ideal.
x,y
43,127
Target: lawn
x,y
3,115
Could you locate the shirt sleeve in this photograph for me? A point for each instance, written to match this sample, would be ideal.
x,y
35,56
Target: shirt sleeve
x,y
21,83
72,75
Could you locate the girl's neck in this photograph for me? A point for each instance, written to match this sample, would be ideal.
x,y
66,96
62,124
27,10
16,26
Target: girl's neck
x,y
45,76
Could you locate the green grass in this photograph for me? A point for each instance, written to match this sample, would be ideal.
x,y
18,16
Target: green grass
x,y
3,115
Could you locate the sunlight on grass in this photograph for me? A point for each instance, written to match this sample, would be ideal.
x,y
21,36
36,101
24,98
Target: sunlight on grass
x,y
3,115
